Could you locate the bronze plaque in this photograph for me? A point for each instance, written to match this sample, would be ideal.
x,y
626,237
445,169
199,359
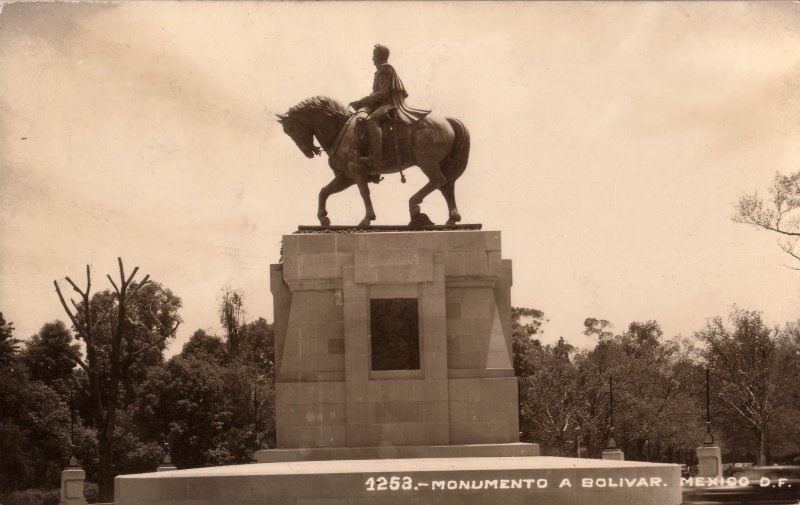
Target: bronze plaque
x,y
394,326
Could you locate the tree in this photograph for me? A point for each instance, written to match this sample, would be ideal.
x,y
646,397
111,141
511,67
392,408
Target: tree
x,y
214,401
199,411
34,434
8,344
654,406
754,367
206,347
47,357
253,376
550,397
113,329
34,424
599,327
249,371
231,314
779,214
525,325
793,333
546,375
594,367
658,405
15,466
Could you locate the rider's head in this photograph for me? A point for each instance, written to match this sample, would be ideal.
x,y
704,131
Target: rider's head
x,y
380,54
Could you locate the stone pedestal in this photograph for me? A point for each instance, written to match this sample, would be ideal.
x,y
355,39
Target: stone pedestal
x,y
395,385
709,461
614,455
393,339
166,465
396,452
457,481
72,479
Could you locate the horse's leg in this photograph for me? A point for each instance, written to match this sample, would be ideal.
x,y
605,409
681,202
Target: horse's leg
x,y
339,183
363,188
449,192
358,173
436,180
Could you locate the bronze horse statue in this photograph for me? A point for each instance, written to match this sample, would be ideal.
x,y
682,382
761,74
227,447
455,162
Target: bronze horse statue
x,y
438,146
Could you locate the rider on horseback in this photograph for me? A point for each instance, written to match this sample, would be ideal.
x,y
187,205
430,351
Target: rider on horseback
x,y
387,97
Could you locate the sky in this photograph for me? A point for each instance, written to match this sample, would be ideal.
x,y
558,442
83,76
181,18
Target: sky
x,y
610,142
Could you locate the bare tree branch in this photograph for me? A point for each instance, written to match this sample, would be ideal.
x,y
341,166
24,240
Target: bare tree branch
x,y
69,313
133,274
75,287
121,271
789,246
139,286
112,283
777,229
779,215
77,360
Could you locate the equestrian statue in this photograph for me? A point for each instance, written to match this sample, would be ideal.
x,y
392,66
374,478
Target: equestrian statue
x,y
383,136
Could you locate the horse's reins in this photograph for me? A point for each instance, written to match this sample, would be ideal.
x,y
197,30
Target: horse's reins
x,y
337,144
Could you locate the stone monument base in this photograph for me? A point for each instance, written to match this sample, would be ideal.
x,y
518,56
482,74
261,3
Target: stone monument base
x,y
709,461
396,452
427,481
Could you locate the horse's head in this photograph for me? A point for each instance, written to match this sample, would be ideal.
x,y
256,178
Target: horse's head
x,y
318,115
300,131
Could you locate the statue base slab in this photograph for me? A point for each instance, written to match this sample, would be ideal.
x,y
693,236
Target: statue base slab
x,y
386,228
396,452
709,461
431,481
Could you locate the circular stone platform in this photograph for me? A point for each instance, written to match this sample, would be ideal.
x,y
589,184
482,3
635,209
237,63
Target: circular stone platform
x,y
431,481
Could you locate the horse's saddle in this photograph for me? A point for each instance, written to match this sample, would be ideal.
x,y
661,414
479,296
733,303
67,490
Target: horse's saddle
x,y
397,139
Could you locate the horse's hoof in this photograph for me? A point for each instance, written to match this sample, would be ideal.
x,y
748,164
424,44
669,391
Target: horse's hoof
x,y
325,221
420,221
364,223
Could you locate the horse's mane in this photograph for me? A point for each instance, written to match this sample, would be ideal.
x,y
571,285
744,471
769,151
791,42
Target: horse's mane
x,y
323,104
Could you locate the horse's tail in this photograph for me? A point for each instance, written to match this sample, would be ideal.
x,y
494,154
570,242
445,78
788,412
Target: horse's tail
x,y
454,164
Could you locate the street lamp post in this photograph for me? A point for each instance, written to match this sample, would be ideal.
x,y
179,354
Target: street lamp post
x,y
612,444
709,438
611,451
709,456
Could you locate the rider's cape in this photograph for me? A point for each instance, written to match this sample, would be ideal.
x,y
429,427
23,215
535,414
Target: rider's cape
x,y
388,89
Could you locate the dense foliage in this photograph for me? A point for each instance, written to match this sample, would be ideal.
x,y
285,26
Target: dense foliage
x,y
659,408
214,401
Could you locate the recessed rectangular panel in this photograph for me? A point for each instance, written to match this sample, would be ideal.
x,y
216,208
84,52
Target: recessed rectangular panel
x,y
394,329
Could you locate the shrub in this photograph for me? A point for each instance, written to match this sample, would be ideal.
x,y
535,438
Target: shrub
x,y
90,492
32,497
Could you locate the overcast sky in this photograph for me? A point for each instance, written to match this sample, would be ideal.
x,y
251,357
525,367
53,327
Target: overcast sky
x,y
609,143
